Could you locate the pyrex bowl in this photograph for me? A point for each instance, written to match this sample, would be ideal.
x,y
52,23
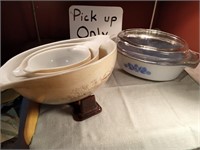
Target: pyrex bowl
x,y
61,87
94,57
34,66
54,60
153,54
57,58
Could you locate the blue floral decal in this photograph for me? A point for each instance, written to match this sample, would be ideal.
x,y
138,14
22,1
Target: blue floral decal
x,y
137,68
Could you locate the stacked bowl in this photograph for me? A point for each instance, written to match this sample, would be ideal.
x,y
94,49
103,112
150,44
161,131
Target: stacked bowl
x,y
60,72
53,60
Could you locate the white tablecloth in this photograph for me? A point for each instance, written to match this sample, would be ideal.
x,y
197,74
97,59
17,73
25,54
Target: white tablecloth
x,y
137,115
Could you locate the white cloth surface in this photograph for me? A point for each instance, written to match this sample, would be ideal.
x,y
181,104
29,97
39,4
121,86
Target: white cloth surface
x,y
136,115
194,73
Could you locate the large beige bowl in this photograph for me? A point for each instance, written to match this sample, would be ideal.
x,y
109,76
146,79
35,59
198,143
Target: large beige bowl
x,y
61,87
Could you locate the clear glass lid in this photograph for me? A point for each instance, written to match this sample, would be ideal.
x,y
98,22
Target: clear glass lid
x,y
155,46
153,40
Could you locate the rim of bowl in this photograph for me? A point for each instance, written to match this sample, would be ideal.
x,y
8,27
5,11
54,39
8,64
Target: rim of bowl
x,y
85,60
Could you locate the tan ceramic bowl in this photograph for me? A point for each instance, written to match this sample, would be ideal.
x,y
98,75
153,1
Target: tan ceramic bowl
x,y
61,87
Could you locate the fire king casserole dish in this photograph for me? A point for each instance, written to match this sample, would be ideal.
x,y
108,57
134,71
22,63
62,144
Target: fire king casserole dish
x,y
60,87
153,54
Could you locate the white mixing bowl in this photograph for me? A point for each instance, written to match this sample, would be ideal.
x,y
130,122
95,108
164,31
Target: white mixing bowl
x,y
54,60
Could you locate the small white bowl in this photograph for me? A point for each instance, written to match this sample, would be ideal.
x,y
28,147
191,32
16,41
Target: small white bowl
x,y
93,45
58,59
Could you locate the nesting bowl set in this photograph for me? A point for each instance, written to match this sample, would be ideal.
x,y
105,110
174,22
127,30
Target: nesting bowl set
x,y
60,72
53,60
